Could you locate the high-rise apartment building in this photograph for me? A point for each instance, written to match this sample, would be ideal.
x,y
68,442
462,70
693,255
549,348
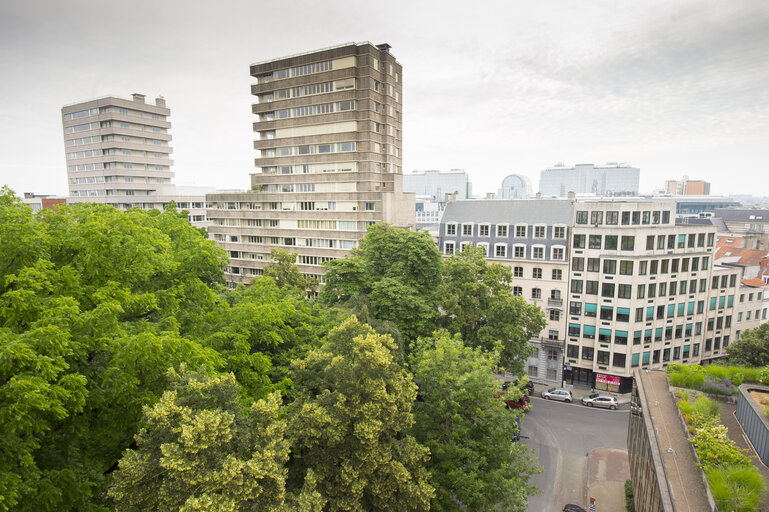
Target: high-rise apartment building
x,y
118,150
329,136
611,179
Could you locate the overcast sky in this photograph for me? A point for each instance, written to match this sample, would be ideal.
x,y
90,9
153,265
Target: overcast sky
x,y
673,87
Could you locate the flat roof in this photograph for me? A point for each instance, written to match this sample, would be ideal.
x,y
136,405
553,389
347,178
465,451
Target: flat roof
x,y
310,52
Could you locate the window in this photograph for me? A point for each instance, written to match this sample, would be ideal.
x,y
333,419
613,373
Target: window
x,y
500,250
517,271
591,287
574,330
536,273
467,230
576,286
448,248
451,229
539,231
536,293
579,241
607,290
575,308
609,266
519,251
572,350
577,264
624,291
610,242
557,274
596,218
612,218
607,313
538,252
594,242
587,352
581,217
520,231
559,232
593,265
483,230
628,243
502,231
557,254
517,291
626,268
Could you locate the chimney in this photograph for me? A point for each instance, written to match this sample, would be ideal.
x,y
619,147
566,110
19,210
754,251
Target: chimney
x,y
539,195
490,195
571,194
139,98
160,102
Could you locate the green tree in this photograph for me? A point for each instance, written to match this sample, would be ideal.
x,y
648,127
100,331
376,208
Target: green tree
x,y
284,271
459,417
393,275
96,304
349,420
752,349
199,450
477,300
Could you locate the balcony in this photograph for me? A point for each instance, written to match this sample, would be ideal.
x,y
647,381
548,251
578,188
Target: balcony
x,y
545,341
555,303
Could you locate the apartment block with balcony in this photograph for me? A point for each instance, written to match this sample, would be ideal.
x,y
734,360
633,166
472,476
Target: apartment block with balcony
x,y
118,152
531,237
328,133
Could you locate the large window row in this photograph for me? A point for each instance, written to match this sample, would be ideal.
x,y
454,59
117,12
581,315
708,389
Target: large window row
x,y
519,251
643,267
309,110
307,69
615,217
505,230
608,242
310,149
86,167
83,140
310,168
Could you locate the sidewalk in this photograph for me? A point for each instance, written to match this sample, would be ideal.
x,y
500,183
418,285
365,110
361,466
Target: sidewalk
x,y
607,470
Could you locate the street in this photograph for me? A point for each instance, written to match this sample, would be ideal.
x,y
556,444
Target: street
x,y
562,435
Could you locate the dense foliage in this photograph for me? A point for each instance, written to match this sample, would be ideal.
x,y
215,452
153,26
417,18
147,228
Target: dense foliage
x,y
460,418
131,378
736,484
752,349
715,379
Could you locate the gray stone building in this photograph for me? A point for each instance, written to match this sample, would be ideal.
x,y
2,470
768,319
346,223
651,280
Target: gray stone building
x,y
532,238
328,133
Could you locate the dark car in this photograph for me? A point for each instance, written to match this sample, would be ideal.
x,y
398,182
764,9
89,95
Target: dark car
x,y
573,508
526,386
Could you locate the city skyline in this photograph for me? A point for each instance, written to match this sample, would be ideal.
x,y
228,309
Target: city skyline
x,y
672,88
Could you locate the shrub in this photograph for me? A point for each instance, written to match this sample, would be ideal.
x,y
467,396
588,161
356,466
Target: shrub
x,y
714,448
629,503
764,379
718,386
735,489
682,394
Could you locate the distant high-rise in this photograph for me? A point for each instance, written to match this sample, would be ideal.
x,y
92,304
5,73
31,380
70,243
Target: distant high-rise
x,y
328,133
117,150
436,184
687,187
607,180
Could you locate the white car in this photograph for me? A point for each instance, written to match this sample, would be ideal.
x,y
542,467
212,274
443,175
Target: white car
x,y
600,401
563,395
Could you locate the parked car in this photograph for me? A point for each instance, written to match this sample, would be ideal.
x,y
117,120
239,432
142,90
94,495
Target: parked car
x,y
573,508
598,400
526,386
563,395
522,403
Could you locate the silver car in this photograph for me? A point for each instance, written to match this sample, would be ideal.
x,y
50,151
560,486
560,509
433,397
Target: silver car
x,y
563,395
600,401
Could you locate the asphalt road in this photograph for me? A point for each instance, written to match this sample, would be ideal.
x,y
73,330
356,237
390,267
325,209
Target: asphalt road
x,y
562,435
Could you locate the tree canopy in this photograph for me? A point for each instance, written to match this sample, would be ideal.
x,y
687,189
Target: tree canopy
x,y
752,349
460,418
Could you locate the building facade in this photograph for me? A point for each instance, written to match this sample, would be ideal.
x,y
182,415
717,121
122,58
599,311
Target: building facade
x,y
328,132
118,152
644,292
436,184
687,187
751,222
607,180
531,237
